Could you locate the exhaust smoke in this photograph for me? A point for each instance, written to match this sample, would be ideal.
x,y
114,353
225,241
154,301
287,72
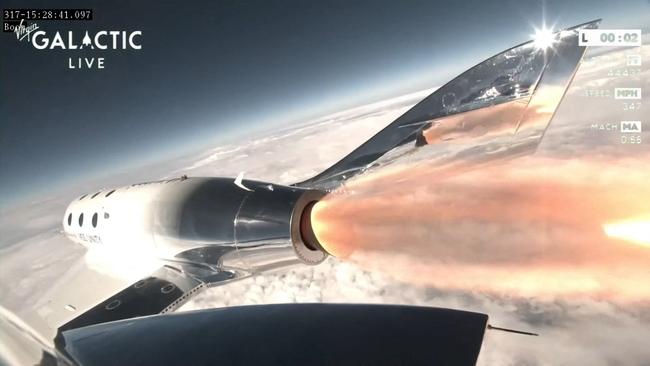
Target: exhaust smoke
x,y
531,226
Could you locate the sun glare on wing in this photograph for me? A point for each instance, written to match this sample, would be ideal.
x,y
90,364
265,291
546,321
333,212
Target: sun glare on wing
x,y
544,38
634,231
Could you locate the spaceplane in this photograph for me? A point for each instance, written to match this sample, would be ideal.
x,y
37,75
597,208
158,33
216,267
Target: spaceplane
x,y
209,231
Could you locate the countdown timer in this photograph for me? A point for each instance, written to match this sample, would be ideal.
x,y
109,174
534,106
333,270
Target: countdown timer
x,y
610,37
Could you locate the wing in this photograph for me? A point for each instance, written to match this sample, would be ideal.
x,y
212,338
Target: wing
x,y
512,95
163,291
285,334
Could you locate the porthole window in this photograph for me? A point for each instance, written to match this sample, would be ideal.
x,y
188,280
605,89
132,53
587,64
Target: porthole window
x,y
95,195
113,304
109,193
167,288
95,220
70,219
106,215
81,219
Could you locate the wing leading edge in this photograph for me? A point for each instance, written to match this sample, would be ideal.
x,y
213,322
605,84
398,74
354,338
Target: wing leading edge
x,y
519,80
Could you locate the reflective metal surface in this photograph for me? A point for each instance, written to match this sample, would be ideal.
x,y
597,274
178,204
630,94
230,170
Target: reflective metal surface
x,y
484,123
267,228
203,231
163,291
216,223
529,80
498,131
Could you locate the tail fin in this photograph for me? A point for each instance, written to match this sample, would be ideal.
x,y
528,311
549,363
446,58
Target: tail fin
x,y
515,92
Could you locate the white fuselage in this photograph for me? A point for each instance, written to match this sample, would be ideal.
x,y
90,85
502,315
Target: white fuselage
x,y
208,221
122,219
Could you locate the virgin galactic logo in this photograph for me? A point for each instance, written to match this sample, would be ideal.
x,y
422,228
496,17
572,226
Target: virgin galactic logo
x,y
100,41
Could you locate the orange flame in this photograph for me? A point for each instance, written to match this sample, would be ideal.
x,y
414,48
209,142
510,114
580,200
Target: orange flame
x,y
534,225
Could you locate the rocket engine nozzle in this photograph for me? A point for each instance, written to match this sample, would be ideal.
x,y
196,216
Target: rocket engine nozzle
x,y
305,243
307,231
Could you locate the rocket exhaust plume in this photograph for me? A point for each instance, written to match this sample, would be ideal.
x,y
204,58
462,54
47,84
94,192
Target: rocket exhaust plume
x,y
531,226
497,198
